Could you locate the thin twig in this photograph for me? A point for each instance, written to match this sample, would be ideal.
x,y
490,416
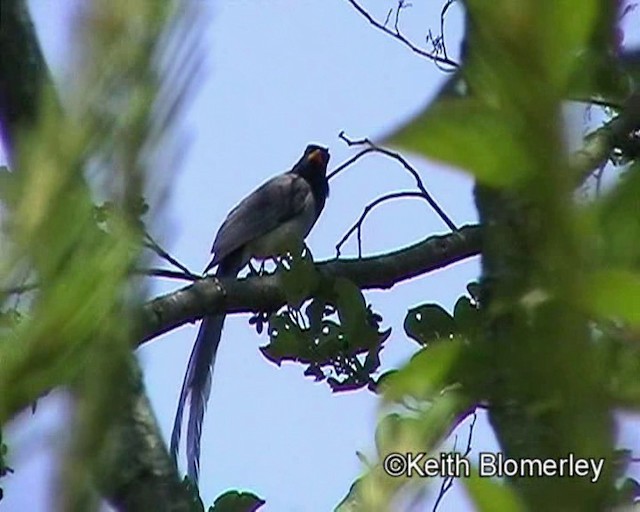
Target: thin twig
x,y
398,35
396,156
169,274
150,243
447,482
156,272
402,4
443,14
357,226
470,436
386,20
349,162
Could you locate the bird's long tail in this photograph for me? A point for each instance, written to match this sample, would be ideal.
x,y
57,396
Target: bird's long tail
x,y
196,386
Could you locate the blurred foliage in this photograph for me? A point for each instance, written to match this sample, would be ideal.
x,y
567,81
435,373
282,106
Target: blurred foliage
x,y
490,496
551,333
77,327
421,428
428,389
549,340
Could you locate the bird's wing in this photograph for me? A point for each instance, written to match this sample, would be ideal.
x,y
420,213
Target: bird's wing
x,y
273,203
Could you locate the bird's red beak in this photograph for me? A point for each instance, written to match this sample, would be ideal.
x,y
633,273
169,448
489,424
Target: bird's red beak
x,y
318,157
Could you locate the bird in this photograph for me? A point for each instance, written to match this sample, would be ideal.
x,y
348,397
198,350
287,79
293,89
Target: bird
x,y
271,221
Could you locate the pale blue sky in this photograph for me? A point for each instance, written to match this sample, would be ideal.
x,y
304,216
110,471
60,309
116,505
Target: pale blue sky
x,y
281,74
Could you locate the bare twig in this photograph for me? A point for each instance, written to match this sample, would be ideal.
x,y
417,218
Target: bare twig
x,y
386,20
357,226
470,436
151,244
443,14
349,162
447,482
396,156
155,272
396,34
402,4
169,274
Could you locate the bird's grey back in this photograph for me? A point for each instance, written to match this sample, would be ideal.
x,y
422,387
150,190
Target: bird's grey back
x,y
266,208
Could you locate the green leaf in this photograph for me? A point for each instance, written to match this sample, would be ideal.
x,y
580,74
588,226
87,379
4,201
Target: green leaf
x,y
530,40
382,381
353,314
426,374
387,430
491,496
236,501
423,429
287,340
468,318
616,294
470,135
351,502
567,27
298,279
429,323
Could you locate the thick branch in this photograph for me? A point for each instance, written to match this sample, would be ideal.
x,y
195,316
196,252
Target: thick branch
x,y
134,469
212,295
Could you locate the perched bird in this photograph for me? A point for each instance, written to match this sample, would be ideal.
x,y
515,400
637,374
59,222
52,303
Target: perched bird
x,y
271,221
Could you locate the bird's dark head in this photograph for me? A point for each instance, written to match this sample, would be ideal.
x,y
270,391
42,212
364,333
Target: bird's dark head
x,y
313,168
314,160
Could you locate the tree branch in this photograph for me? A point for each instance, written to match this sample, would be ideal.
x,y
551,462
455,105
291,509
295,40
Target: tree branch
x,y
213,295
369,145
154,246
357,226
599,144
397,35
133,468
